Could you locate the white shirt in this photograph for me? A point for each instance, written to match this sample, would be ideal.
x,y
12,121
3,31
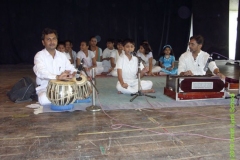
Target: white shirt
x,y
74,54
145,58
87,60
129,67
46,67
99,51
187,62
107,53
115,55
67,55
99,54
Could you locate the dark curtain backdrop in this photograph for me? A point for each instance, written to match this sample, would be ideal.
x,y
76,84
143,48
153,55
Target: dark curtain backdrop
x,y
158,21
211,20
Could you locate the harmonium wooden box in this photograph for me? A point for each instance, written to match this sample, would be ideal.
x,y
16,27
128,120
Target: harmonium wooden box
x,y
183,88
231,84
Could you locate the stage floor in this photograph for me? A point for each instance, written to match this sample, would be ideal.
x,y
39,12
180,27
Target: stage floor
x,y
201,132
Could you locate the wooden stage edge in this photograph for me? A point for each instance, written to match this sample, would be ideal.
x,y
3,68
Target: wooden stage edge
x,y
196,133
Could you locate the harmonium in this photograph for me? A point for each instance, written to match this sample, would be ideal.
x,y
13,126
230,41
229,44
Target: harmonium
x,y
183,88
231,84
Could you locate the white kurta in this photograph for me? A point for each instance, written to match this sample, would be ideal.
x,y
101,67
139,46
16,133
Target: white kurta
x,y
99,53
99,64
74,54
115,55
146,61
107,63
187,62
46,68
88,61
67,55
129,74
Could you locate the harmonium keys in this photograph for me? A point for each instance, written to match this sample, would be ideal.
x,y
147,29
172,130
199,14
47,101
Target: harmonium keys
x,y
194,87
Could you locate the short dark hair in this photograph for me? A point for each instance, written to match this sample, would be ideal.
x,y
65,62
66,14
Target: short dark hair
x,y
128,41
68,41
47,31
87,43
199,39
61,43
120,41
110,40
146,47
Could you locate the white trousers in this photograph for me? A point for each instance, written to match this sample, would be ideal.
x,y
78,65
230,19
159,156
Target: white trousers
x,y
156,69
98,71
42,98
133,86
114,73
106,65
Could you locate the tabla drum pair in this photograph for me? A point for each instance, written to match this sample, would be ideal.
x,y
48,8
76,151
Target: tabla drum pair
x,y
63,93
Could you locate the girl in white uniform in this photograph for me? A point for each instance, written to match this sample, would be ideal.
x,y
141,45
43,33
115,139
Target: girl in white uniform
x,y
106,56
96,50
88,58
145,52
114,57
127,69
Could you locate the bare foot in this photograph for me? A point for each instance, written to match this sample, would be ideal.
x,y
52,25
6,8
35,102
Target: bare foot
x,y
119,92
162,74
151,91
148,91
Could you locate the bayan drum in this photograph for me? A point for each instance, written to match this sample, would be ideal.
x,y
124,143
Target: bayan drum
x,y
83,88
61,93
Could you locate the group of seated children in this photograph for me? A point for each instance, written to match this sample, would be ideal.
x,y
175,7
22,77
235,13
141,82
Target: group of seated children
x,y
121,62
104,62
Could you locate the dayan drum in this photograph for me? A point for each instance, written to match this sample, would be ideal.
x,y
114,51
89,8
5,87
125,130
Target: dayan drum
x,y
83,88
61,93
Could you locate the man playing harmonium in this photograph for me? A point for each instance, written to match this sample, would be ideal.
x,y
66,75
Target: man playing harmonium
x,y
195,61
